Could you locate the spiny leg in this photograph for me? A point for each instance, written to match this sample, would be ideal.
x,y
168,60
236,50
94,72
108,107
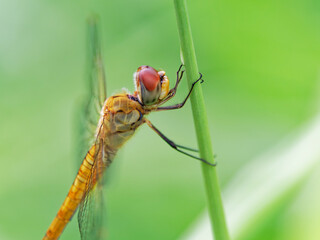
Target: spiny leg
x,y
180,72
173,90
176,146
180,105
187,148
179,77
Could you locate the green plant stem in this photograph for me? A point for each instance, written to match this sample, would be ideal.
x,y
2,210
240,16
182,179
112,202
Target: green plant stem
x,y
215,206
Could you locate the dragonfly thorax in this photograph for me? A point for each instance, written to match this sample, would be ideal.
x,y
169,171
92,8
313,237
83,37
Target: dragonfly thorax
x,y
151,85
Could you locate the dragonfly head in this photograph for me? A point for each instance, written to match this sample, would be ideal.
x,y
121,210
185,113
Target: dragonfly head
x,y
151,85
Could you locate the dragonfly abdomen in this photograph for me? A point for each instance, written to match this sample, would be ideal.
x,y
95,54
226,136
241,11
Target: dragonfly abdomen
x,y
74,197
121,116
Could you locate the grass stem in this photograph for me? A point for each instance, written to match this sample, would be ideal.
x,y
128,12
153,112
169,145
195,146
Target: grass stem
x,y
215,206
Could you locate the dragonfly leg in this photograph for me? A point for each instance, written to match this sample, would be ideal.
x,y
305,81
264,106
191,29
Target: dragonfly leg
x,y
173,90
179,77
180,105
176,146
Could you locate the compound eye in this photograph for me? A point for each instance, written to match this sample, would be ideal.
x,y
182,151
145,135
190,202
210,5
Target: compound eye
x,y
149,77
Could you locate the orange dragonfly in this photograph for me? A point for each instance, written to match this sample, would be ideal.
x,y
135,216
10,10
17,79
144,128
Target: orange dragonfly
x,y
119,117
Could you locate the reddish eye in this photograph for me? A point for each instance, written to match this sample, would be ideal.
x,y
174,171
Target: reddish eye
x,y
149,77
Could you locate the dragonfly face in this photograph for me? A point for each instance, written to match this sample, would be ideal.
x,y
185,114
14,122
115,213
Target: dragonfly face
x,y
151,85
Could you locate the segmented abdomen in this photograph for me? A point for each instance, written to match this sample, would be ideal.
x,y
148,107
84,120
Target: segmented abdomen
x,y
73,198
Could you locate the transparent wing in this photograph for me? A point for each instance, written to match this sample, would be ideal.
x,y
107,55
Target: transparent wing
x,y
91,209
96,69
96,95
90,215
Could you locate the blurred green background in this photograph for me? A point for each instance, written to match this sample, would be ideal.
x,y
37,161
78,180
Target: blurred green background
x,y
260,61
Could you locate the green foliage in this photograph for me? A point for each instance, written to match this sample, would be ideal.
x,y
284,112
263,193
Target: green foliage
x,y
260,62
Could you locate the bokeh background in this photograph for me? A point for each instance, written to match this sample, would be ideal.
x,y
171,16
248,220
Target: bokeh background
x,y
260,61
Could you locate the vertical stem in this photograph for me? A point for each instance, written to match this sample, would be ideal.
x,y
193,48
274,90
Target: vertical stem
x,y
215,206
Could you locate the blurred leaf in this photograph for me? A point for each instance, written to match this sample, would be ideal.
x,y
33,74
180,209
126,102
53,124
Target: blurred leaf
x,y
258,192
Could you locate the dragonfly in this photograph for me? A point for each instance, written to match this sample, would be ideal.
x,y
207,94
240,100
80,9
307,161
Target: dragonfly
x,y
117,118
